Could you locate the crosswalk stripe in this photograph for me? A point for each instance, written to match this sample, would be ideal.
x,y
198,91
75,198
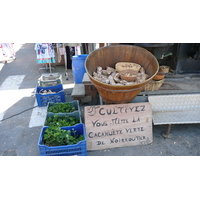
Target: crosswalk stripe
x,y
1,66
12,82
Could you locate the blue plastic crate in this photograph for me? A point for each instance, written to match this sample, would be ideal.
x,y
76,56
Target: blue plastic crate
x,y
74,103
44,99
75,114
78,149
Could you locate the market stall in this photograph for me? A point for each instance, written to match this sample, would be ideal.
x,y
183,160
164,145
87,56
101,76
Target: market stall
x,y
120,81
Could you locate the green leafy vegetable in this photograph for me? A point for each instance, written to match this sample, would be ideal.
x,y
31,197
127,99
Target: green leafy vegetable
x,y
61,108
61,121
54,136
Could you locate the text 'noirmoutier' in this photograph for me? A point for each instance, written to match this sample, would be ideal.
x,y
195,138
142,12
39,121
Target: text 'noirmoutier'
x,y
123,140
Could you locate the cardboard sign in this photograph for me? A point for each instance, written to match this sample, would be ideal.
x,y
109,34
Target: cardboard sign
x,y
118,125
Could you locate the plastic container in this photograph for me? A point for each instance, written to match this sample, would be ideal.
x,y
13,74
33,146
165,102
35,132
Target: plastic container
x,y
51,77
48,83
109,56
47,80
44,99
78,67
75,103
75,114
78,149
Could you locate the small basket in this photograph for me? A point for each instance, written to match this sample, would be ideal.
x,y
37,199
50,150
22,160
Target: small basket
x,y
164,69
128,75
159,76
153,85
127,65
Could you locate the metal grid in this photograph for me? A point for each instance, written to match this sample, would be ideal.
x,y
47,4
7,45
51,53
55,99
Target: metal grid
x,y
175,109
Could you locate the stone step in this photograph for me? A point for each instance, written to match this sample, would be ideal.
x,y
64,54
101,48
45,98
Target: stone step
x,y
86,80
78,91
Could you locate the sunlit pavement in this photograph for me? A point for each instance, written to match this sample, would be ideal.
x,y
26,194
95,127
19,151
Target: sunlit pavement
x,y
21,118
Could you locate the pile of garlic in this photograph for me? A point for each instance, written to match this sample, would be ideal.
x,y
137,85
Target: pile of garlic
x,y
111,76
46,92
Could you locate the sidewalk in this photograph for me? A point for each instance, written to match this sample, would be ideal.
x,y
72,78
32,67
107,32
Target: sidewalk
x,y
19,139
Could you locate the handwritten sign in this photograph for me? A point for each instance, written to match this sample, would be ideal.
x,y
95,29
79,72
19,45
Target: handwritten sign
x,y
118,125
